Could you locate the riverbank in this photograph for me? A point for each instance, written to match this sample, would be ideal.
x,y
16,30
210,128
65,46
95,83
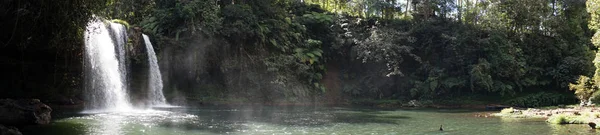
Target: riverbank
x,y
381,104
564,115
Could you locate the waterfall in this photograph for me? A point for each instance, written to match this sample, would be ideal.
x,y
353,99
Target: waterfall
x,y
119,34
106,90
155,95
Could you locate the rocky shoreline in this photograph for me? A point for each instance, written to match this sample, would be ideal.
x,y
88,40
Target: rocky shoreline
x,y
567,115
16,113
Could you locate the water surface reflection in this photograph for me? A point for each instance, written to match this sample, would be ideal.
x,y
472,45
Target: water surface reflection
x,y
298,120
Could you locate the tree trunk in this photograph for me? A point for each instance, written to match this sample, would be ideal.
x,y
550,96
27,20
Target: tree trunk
x,y
406,10
460,9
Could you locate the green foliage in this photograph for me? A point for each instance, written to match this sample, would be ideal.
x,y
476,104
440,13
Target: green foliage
x,y
480,76
123,22
183,18
584,88
593,8
152,25
133,11
364,8
567,119
43,40
310,55
541,99
240,24
306,64
389,46
439,47
497,53
317,18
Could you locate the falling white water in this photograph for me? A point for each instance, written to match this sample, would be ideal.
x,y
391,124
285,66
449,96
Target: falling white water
x,y
155,95
106,91
119,34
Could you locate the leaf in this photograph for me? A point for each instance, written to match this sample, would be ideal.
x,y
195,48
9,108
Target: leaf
x,y
317,52
433,85
310,55
319,76
273,42
155,30
177,35
298,50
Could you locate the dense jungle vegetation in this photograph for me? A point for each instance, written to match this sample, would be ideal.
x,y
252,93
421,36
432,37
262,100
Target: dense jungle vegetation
x,y
519,52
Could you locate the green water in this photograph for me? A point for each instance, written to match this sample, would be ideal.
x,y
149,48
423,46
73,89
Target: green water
x,y
296,120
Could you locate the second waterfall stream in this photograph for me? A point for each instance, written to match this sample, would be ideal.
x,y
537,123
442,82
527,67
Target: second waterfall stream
x,y
155,84
106,70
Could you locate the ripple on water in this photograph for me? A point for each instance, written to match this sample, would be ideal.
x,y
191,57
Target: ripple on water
x,y
115,123
300,121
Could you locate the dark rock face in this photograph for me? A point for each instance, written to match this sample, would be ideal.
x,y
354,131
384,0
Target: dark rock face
x,y
9,130
138,66
24,112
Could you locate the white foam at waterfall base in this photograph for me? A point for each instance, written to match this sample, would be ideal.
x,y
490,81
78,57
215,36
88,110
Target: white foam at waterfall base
x,y
155,95
105,91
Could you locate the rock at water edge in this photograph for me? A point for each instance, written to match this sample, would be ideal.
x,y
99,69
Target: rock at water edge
x,y
24,112
9,130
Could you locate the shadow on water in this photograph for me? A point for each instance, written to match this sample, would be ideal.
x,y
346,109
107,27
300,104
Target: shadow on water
x,y
435,110
417,109
55,128
62,112
303,116
363,118
572,129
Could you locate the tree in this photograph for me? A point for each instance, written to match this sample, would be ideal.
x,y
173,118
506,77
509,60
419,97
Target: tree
x,y
584,88
43,40
389,46
593,8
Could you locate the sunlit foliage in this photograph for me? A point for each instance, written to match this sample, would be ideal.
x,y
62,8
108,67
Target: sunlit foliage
x,y
584,88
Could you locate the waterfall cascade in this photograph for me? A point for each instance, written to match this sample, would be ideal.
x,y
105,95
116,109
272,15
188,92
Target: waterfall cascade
x,y
106,88
119,34
106,70
155,83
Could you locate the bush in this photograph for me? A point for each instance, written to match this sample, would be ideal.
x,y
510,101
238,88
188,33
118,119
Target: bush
x,y
542,99
595,98
567,119
584,89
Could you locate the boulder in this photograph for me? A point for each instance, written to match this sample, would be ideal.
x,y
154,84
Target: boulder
x,y
414,103
9,130
24,112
